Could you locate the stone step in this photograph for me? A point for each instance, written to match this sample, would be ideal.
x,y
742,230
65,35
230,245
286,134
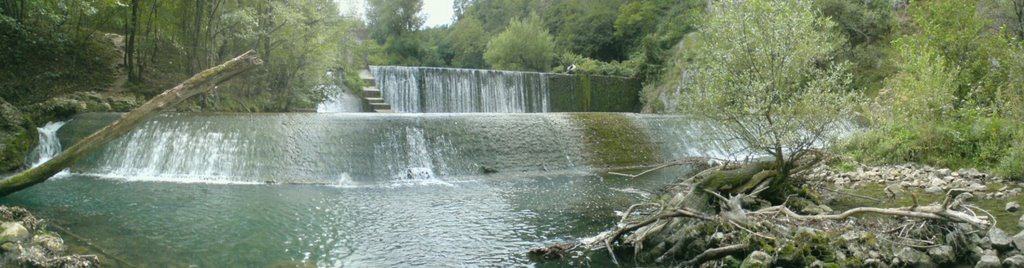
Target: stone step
x,y
371,92
384,111
367,77
375,99
369,81
379,106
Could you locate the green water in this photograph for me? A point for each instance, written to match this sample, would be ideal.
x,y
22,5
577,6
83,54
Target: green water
x,y
472,221
354,190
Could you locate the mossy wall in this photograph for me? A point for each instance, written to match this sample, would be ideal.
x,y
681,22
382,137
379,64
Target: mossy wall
x,y
584,93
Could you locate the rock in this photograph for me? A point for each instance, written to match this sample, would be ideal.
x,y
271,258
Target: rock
x,y
757,259
989,261
1012,206
17,137
1017,261
933,189
1018,241
1000,240
913,258
49,242
942,254
12,232
1020,222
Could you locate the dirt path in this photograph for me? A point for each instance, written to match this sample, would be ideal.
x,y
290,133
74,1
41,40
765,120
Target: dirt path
x,y
120,73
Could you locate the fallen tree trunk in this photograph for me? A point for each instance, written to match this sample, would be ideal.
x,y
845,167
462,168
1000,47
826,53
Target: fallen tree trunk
x,y
202,82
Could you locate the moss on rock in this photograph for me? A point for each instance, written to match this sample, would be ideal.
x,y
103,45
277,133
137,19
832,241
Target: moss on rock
x,y
17,137
613,140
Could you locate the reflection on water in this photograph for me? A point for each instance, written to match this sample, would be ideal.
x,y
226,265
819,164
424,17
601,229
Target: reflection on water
x,y
470,221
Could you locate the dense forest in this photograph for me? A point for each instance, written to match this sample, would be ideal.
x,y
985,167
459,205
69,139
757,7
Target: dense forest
x,y
142,47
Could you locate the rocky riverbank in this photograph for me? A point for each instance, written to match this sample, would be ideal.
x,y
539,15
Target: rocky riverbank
x,y
25,242
867,216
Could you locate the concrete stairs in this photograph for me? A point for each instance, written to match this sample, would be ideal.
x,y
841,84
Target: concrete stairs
x,y
372,94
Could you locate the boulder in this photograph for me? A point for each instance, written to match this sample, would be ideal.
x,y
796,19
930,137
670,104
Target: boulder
x,y
942,254
757,259
1016,261
1012,206
999,239
989,261
1018,241
12,232
17,137
912,258
1020,222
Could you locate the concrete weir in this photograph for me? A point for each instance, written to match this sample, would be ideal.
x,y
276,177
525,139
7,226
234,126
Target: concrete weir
x,y
450,90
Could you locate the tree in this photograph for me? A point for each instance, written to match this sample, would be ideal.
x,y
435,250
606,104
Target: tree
x,y
524,46
390,18
468,41
763,72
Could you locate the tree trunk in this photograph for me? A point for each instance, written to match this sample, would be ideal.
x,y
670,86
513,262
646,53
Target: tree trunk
x,y
199,83
129,51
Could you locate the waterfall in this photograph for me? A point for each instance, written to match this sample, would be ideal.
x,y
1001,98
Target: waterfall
x,y
440,90
357,149
49,145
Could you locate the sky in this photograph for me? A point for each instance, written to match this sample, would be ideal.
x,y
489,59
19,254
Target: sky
x,y
436,12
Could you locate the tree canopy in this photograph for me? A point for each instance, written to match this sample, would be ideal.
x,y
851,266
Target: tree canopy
x,y
763,69
524,46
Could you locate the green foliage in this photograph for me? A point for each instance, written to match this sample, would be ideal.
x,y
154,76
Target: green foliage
x,y
954,101
391,18
52,48
468,41
586,27
868,25
761,68
590,66
524,46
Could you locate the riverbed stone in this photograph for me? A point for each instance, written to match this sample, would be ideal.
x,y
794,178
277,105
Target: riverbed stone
x,y
910,257
942,254
757,259
1015,261
999,239
989,261
1012,206
1018,241
12,232
49,242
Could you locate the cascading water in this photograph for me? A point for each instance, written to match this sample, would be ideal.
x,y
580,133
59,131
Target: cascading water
x,y
49,145
364,148
434,90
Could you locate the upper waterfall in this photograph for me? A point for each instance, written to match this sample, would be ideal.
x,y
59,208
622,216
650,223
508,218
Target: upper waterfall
x,y
451,90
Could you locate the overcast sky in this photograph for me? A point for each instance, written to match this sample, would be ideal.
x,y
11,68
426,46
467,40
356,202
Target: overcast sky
x,y
437,12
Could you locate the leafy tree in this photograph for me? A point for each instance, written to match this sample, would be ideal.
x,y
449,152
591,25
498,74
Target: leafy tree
x,y
524,46
468,41
389,18
763,71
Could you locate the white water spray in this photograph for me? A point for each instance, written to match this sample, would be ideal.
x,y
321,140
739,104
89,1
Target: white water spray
x,y
49,145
